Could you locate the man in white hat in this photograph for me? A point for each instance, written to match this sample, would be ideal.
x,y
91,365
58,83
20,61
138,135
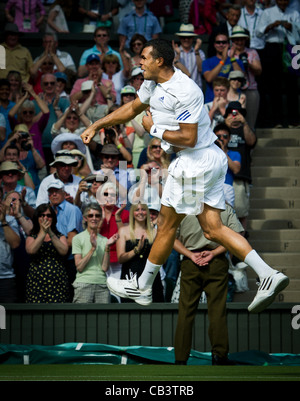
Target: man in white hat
x,y
188,53
64,162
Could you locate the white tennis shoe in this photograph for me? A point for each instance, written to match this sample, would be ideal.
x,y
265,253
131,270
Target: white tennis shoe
x,y
129,288
268,288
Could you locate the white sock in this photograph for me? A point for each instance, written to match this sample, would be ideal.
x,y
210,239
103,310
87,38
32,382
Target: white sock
x,y
258,265
147,278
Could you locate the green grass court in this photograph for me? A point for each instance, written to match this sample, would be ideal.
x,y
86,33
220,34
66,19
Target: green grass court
x,y
153,373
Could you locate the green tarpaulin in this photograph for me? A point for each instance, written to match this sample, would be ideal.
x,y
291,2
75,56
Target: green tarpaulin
x,y
85,353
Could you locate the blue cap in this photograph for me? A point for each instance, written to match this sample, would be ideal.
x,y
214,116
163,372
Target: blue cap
x,y
61,75
92,57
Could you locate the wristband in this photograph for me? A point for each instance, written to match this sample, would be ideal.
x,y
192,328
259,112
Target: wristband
x,y
233,59
4,224
221,62
119,146
157,132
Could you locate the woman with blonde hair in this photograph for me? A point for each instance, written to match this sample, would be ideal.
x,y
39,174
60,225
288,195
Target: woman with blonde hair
x,y
134,245
113,70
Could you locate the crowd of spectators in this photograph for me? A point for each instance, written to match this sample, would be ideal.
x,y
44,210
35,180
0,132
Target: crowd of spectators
x,y
73,214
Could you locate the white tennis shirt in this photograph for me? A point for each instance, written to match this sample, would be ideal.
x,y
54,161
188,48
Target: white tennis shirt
x,y
179,100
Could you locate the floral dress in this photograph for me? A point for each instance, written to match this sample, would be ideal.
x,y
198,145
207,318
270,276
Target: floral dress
x,y
47,279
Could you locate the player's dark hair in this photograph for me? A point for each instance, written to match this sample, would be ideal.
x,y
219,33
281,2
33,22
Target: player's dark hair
x,y
161,48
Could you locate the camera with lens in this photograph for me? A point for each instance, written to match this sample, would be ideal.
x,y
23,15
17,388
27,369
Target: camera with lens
x,y
110,134
24,137
244,58
234,113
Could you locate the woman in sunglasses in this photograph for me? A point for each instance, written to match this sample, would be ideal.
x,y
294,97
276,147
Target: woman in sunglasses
x,y
155,152
35,122
47,280
92,255
236,82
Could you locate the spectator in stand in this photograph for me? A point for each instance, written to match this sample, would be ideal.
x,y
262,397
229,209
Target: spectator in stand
x,y
15,80
5,106
234,161
101,48
57,105
136,78
232,18
9,240
98,13
133,247
50,45
48,63
87,190
114,218
91,252
278,25
72,120
236,82
203,15
10,174
61,83
117,173
253,69
20,149
219,65
155,152
243,140
13,203
69,223
57,16
25,14
112,70
47,280
105,89
63,163
250,14
217,107
188,53
140,20
35,122
135,45
18,57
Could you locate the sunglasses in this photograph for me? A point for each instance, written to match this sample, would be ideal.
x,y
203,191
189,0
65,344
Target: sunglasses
x,y
221,42
155,147
96,215
225,136
101,35
49,63
137,44
52,83
10,172
49,215
240,80
30,112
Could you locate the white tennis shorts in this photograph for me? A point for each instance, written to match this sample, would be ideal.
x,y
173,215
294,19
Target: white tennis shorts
x,y
196,177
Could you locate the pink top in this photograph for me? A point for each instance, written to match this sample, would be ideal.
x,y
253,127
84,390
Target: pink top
x,y
100,99
25,13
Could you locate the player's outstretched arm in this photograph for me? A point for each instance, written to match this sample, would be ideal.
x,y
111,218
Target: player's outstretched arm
x,y
121,115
